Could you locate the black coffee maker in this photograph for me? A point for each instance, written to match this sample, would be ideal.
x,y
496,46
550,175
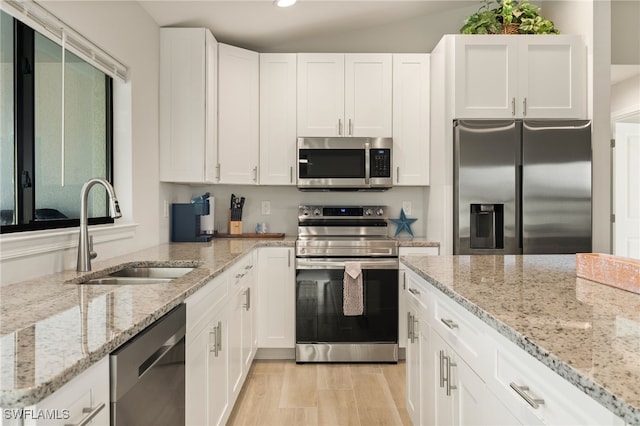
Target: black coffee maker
x,y
185,222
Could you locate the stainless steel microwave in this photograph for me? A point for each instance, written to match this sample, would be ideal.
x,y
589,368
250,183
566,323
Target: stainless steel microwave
x,y
345,163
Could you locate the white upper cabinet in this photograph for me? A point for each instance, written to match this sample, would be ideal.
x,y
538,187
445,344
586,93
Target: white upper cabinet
x,y
411,119
277,118
238,114
344,95
519,76
188,105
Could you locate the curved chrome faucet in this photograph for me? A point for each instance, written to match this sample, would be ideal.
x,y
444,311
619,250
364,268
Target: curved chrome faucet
x,y
85,249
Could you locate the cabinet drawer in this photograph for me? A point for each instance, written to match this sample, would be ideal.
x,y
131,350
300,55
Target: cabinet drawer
x,y
537,395
201,303
417,289
461,331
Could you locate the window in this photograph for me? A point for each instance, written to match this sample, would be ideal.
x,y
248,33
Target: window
x,y
55,132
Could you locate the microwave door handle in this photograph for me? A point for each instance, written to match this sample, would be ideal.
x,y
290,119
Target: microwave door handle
x,y
367,166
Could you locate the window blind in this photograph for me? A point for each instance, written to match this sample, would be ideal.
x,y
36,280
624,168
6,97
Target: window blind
x,y
34,15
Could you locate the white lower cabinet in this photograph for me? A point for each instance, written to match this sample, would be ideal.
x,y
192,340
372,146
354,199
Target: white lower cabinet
x,y
276,297
402,287
220,344
413,361
83,399
463,372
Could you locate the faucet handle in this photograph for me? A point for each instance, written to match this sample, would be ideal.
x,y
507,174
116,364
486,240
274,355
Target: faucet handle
x,y
92,254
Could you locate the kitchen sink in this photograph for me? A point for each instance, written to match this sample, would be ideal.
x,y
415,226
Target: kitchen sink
x,y
152,272
140,275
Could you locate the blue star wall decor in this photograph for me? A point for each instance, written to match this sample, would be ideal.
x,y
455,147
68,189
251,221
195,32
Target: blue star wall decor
x,y
403,224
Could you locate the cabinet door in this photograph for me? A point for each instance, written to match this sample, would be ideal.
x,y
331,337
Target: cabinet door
x,y
235,343
187,105
197,377
248,323
276,298
413,361
216,372
88,391
238,114
320,94
368,98
552,77
277,118
485,82
411,119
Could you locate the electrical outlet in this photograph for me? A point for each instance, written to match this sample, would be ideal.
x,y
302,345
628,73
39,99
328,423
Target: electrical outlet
x,y
165,208
406,206
266,207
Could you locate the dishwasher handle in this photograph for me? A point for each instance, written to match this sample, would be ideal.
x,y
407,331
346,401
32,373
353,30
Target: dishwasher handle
x,y
131,361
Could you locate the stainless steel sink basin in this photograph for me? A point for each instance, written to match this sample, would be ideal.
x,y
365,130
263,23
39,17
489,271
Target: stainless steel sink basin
x,y
127,280
140,275
152,272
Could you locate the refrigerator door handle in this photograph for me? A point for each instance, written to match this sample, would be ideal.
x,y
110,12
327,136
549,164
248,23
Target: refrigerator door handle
x,y
584,124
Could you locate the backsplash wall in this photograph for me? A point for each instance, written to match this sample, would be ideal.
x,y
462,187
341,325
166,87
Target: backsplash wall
x,y
285,201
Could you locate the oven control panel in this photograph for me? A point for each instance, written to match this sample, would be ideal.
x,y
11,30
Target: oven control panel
x,y
351,212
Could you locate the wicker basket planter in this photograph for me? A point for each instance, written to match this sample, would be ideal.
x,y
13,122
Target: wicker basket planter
x,y
510,28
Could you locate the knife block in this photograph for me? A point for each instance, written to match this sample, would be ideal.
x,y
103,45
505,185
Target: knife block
x,y
235,226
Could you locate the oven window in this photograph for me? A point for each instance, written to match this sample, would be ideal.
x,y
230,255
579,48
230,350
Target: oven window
x,y
319,314
332,163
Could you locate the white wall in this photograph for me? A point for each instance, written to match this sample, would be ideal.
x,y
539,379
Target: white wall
x,y
128,33
625,96
592,19
285,201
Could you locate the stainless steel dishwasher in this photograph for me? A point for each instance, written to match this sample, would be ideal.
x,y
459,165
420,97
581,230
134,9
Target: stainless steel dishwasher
x,y
147,375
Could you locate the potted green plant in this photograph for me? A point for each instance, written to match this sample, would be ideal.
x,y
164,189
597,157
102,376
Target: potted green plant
x,y
484,21
522,17
508,17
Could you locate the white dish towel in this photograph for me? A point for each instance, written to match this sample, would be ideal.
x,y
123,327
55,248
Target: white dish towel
x,y
352,291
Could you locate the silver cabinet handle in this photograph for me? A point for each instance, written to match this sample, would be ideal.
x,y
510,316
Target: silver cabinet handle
x,y
449,323
218,171
350,128
410,326
513,106
449,365
255,174
90,414
524,107
218,337
414,291
238,276
398,174
289,259
415,329
248,267
213,347
247,299
522,391
442,379
339,127
291,174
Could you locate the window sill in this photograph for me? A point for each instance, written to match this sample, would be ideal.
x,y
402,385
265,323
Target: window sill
x,y
24,244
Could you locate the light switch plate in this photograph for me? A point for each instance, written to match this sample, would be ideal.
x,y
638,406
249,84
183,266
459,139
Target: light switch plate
x,y
406,206
266,207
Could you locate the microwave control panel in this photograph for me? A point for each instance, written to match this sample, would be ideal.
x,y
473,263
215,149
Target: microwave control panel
x,y
380,163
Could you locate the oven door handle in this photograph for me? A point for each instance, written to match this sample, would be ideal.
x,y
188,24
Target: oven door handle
x,y
303,263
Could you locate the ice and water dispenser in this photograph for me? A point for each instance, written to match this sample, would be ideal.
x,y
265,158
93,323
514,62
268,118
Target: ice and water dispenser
x,y
486,226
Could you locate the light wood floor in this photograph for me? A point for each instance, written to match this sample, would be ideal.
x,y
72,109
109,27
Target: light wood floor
x,y
285,393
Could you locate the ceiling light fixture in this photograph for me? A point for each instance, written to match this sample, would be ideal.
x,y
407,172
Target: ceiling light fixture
x,y
284,3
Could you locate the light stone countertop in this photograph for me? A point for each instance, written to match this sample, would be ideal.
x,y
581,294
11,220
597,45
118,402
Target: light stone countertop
x,y
51,331
588,333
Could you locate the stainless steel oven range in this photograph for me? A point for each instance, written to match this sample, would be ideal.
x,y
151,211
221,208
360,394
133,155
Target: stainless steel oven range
x,y
327,327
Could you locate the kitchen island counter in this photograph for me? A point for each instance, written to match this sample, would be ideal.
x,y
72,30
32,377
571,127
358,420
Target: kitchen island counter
x,y
586,332
52,330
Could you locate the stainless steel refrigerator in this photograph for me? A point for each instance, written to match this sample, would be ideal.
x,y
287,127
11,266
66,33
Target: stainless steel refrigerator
x,y
522,186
